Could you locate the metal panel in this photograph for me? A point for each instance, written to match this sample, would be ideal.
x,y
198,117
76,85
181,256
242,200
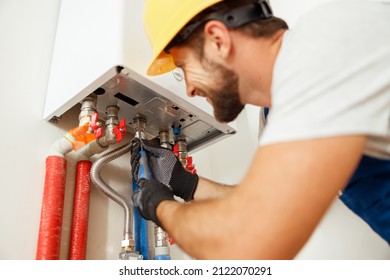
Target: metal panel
x,y
163,110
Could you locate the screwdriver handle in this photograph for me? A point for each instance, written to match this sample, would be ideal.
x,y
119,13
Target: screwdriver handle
x,y
144,170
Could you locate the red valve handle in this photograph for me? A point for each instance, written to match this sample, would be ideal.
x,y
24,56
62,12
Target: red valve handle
x,y
97,129
190,166
176,150
170,239
120,130
99,132
94,121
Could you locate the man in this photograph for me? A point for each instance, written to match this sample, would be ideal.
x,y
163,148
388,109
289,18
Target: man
x,y
327,83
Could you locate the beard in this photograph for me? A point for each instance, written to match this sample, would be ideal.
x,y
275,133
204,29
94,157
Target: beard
x,y
224,97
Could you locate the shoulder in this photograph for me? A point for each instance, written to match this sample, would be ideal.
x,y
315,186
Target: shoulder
x,y
333,37
341,24
332,74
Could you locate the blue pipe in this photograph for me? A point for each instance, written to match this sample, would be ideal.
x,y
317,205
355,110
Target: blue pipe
x,y
137,222
140,230
144,239
162,257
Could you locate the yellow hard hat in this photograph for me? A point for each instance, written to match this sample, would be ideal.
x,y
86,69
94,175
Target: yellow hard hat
x,y
163,19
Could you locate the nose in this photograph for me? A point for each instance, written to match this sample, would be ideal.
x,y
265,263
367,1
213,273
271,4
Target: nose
x,y
190,91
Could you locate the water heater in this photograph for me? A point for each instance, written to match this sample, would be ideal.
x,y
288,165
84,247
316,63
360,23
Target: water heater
x,y
101,48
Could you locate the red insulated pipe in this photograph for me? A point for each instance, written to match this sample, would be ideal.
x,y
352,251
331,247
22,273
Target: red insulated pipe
x,y
49,238
78,238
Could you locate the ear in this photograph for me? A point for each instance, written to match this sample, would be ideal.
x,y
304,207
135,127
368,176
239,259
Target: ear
x,y
217,39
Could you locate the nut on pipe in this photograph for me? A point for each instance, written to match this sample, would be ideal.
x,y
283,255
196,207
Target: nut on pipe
x,y
139,125
88,108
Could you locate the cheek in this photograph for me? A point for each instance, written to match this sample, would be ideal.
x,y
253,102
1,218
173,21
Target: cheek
x,y
197,78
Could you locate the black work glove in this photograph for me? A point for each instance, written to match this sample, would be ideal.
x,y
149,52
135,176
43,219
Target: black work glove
x,y
166,168
149,196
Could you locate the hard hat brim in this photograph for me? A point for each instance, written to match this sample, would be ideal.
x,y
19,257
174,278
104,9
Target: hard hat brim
x,y
162,64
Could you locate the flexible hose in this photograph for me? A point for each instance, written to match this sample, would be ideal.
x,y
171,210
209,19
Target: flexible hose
x,y
111,193
78,238
49,237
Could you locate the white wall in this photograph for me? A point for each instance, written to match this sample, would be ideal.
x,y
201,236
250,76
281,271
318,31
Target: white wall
x,y
27,30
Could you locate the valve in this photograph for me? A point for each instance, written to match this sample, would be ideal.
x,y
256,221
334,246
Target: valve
x,y
120,130
186,160
190,166
176,129
96,127
176,150
170,240
79,136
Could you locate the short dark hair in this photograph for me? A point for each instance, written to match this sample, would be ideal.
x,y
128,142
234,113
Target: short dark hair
x,y
265,27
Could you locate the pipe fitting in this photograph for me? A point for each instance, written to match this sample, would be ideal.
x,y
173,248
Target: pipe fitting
x,y
91,149
140,126
160,237
88,108
182,150
112,111
129,254
164,139
128,243
61,147
112,121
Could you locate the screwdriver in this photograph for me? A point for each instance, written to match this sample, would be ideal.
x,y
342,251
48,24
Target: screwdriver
x,y
144,170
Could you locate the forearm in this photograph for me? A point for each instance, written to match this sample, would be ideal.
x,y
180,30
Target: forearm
x,y
206,236
221,228
208,189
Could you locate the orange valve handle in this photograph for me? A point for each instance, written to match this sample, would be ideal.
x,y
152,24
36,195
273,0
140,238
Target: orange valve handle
x,y
80,136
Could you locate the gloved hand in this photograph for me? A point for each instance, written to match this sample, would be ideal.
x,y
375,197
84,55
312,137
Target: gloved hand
x,y
166,168
149,196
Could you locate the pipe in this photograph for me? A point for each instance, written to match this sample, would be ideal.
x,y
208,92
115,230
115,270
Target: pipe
x,y
78,238
111,193
141,237
161,249
79,230
61,147
91,149
49,237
